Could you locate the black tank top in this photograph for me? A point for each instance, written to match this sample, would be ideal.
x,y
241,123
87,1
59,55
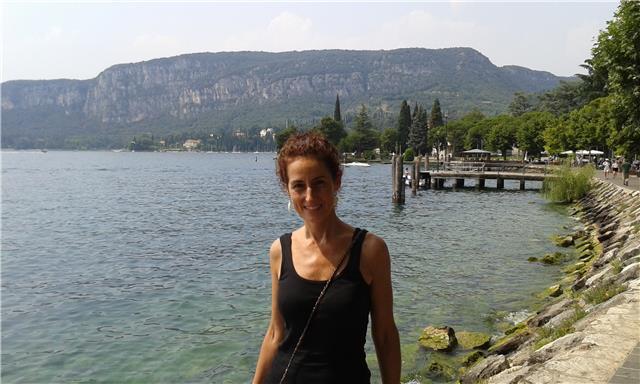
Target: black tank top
x,y
332,350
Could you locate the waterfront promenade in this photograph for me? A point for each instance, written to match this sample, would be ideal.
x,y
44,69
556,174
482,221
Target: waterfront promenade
x,y
634,181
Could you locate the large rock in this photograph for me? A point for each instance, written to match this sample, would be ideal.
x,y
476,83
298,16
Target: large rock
x,y
438,339
490,366
630,251
511,342
564,241
471,340
548,351
549,312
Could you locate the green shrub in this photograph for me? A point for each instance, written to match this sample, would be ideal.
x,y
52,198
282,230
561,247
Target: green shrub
x,y
547,335
616,266
569,184
603,292
408,155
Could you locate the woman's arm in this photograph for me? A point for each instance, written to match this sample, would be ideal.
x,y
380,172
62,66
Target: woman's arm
x,y
275,330
376,265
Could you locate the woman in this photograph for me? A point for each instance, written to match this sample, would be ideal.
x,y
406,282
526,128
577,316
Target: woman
x,y
332,347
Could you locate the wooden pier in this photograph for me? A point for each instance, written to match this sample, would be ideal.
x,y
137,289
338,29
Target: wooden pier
x,y
481,171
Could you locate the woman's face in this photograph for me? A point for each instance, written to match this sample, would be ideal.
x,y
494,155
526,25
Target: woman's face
x,y
311,188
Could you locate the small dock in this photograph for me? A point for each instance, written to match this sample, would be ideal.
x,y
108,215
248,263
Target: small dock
x,y
481,171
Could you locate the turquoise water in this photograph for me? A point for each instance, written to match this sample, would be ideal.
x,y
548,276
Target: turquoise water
x,y
153,267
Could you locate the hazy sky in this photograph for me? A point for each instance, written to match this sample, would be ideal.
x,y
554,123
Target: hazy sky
x,y
79,39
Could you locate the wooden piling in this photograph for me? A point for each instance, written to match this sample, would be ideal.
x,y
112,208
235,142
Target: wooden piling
x,y
500,183
398,184
522,184
480,183
459,183
415,176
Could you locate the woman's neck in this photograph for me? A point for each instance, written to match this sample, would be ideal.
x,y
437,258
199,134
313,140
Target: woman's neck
x,y
325,232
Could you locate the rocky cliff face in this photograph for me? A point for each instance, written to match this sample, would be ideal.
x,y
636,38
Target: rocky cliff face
x,y
191,86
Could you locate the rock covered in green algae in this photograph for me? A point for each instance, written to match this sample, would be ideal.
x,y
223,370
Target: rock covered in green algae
x,y
472,340
470,358
553,258
563,241
438,339
554,290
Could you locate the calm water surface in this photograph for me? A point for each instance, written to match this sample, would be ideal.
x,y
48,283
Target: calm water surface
x,y
153,267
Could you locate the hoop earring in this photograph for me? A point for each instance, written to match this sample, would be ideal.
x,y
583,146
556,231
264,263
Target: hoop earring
x,y
289,206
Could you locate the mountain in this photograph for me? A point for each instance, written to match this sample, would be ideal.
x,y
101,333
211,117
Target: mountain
x,y
228,91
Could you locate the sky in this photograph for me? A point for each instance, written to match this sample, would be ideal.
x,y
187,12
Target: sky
x,y
80,39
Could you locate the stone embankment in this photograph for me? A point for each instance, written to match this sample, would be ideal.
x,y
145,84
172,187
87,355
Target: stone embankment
x,y
592,320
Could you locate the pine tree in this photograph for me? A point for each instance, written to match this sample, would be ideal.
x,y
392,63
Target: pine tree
x,y
418,131
435,120
404,124
336,112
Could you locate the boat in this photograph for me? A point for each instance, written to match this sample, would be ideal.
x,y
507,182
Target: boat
x,y
356,164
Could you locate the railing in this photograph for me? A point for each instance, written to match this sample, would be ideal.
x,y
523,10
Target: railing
x,y
481,167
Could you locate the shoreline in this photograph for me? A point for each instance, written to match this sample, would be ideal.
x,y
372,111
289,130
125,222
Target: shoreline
x,y
594,323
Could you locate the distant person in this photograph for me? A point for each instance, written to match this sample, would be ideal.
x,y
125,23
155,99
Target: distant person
x,y
607,168
315,337
626,167
614,168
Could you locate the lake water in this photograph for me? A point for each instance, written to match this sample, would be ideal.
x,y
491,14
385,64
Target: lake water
x,y
153,267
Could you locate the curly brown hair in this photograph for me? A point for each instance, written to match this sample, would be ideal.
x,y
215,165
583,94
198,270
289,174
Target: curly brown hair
x,y
307,144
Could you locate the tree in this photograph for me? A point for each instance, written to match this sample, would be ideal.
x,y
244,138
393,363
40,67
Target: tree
x,y
435,119
331,129
388,140
418,131
616,58
593,125
456,131
282,136
404,124
564,98
519,105
558,137
501,137
363,137
529,136
336,111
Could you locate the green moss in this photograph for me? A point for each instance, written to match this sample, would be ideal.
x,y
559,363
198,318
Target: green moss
x,y
554,258
437,339
563,241
574,267
505,339
470,358
532,259
471,340
515,328
440,366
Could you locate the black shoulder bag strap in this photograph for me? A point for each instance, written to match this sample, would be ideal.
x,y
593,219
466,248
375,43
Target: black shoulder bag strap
x,y
356,237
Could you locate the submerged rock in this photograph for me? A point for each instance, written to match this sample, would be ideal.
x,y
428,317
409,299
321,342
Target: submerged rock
x,y
471,358
438,339
472,340
553,258
564,241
